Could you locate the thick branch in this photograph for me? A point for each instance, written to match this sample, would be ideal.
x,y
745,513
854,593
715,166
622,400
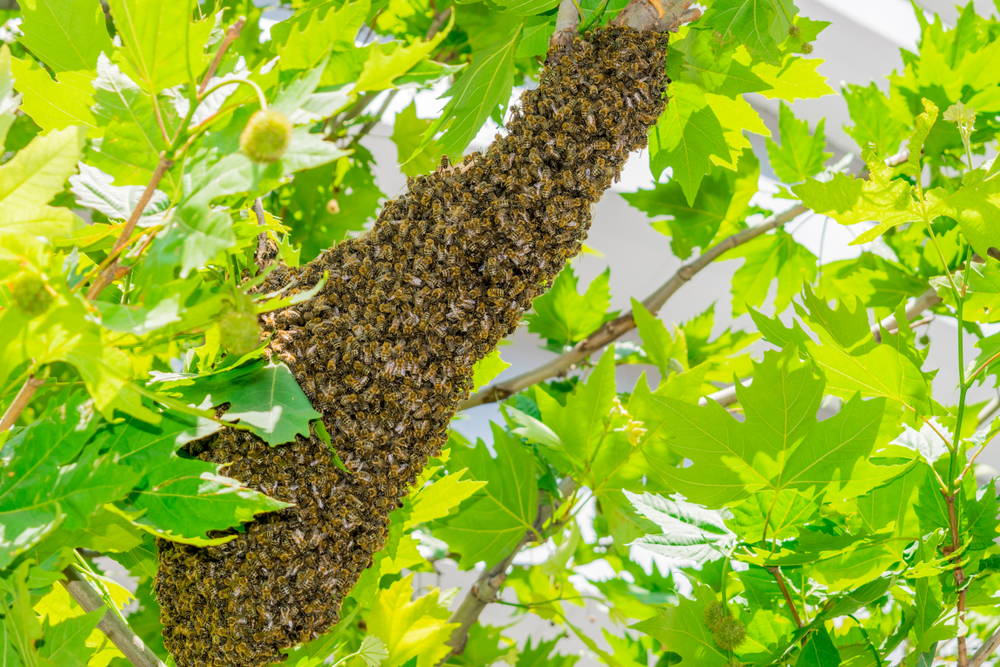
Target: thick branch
x,y
490,581
618,327
111,624
615,329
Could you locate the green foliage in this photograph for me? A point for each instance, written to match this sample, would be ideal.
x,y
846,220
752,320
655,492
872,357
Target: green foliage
x,y
830,510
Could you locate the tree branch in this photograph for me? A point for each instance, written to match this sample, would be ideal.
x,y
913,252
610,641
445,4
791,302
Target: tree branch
x,y
24,396
986,650
615,329
776,572
618,327
111,624
490,581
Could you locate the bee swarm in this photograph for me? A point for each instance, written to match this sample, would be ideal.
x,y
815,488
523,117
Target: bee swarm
x,y
385,351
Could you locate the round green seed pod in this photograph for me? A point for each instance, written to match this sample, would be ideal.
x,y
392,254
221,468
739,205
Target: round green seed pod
x,y
715,612
266,136
729,633
29,295
240,333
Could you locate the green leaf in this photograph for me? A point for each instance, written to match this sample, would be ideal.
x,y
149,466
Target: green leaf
x,y
819,651
66,35
389,61
65,642
57,103
690,532
486,369
414,632
581,423
719,207
176,497
52,479
682,630
132,142
881,372
663,349
689,155
801,153
701,60
976,207
415,156
439,498
163,45
264,397
779,446
874,122
497,516
485,84
526,7
309,36
797,79
880,198
775,257
760,25
563,315
38,172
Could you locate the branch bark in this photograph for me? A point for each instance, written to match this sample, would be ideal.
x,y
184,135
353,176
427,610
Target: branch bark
x,y
986,650
24,396
111,624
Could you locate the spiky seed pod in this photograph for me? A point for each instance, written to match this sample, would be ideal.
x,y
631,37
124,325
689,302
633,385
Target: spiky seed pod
x,y
385,350
29,295
729,633
266,136
715,612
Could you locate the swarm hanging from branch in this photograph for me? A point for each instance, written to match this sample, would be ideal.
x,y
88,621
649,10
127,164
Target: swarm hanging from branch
x,y
385,351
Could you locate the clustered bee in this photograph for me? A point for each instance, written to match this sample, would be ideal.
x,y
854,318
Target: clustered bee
x,y
385,351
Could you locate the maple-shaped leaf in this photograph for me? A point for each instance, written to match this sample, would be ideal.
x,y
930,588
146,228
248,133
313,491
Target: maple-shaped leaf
x,y
496,517
780,445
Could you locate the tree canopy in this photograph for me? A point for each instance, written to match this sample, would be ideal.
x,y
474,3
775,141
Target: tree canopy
x,y
796,487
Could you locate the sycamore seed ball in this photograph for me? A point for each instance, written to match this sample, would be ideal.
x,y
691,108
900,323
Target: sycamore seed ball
x,y
729,633
266,136
30,295
715,612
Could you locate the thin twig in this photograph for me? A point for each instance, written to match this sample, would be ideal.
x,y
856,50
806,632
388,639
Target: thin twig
x,y
111,624
231,36
437,23
490,581
24,395
621,325
109,267
776,572
986,650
